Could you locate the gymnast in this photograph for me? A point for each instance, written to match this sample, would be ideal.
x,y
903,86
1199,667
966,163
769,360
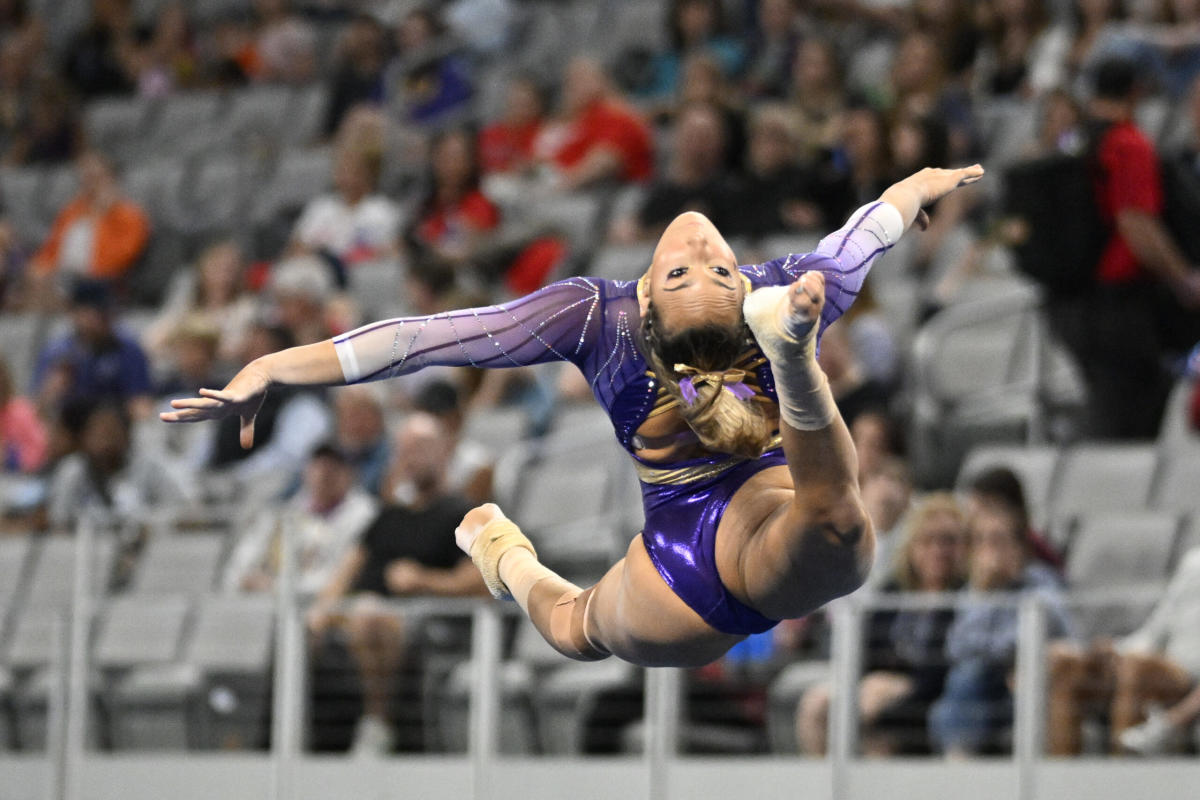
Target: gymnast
x,y
708,371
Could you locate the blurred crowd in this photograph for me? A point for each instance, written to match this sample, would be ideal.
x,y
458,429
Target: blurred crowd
x,y
474,156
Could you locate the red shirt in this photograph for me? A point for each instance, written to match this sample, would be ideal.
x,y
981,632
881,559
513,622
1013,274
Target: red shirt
x,y
1130,180
502,146
609,124
472,213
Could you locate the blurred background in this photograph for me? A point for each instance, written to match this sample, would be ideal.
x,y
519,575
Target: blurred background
x,y
185,186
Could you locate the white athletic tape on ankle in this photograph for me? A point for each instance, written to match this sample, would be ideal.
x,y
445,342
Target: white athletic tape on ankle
x,y
805,401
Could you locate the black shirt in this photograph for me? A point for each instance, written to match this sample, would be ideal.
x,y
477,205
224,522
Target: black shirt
x,y
425,536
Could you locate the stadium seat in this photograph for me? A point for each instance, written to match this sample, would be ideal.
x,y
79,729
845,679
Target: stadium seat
x,y
21,188
624,262
1097,478
1175,436
184,124
497,429
211,199
1114,550
256,120
22,334
51,579
783,697
136,630
7,739
184,564
299,176
115,126
14,555
1178,487
1036,466
306,116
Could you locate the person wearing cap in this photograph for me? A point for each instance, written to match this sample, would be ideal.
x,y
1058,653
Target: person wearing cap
x,y
94,360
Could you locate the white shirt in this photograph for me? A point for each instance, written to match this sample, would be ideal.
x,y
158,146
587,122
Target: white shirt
x,y
362,232
75,253
1173,628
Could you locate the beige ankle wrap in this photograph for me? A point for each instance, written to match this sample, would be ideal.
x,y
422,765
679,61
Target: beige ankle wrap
x,y
496,539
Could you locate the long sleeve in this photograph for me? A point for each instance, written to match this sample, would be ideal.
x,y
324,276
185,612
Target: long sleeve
x,y
560,322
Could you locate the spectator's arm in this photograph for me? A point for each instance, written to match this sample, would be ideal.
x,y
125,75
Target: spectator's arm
x,y
1156,250
602,161
303,422
407,577
341,582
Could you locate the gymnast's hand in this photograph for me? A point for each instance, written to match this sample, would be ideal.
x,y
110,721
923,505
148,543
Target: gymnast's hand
x,y
243,396
921,188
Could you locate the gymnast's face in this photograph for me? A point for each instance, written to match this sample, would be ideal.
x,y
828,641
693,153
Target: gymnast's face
x,y
693,277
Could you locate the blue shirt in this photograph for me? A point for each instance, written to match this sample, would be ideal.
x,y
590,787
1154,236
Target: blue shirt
x,y
116,371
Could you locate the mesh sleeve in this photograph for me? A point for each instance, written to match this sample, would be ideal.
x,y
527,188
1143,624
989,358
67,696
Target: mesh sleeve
x,y
559,322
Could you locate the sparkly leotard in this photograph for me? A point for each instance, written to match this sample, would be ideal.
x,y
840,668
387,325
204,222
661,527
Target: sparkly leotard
x,y
592,323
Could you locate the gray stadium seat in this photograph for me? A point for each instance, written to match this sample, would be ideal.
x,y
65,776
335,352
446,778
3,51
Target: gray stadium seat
x,y
1035,465
577,217
306,116
184,124
212,198
179,564
60,188
1120,549
299,176
52,576
14,555
1178,487
21,191
497,429
22,334
624,262
7,739
1175,435
256,119
783,696
115,126
1097,478
134,630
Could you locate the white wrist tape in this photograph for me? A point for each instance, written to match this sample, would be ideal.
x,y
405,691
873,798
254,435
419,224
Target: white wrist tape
x,y
805,401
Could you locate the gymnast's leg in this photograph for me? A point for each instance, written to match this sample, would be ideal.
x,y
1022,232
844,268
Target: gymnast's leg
x,y
556,607
823,539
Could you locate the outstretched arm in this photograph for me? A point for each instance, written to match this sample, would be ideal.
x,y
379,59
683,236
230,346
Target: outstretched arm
x,y
556,323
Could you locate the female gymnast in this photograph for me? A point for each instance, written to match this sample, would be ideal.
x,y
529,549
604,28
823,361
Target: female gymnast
x,y
708,372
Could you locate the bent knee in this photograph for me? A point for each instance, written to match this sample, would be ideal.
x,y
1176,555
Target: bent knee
x,y
840,521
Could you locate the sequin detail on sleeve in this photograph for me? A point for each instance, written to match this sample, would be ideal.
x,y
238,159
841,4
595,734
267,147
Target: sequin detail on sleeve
x,y
556,323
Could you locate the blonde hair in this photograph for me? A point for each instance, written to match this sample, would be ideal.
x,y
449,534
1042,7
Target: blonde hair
x,y
932,505
720,419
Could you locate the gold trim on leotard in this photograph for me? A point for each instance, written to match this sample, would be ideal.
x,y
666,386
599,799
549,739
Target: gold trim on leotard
x,y
676,475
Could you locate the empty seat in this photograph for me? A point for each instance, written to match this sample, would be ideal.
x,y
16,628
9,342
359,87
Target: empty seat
x,y
14,552
21,190
1175,435
299,176
212,199
625,262
497,429
1120,549
1178,488
306,117
185,123
256,119
7,741
179,564
52,579
1034,465
116,126
1103,477
134,631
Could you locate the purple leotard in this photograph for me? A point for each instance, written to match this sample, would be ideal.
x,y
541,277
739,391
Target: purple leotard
x,y
592,323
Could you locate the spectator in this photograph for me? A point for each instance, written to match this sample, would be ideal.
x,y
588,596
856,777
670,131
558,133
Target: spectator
x,y
110,480
905,664
598,138
694,26
191,362
358,69
506,145
428,83
361,434
95,361
777,195
819,98
97,61
1113,324
322,522
164,59
865,155
215,290
695,180
408,550
471,464
49,130
98,235
455,221
286,47
872,340
975,709
853,389
886,495
288,426
1000,486
956,25
1096,23
771,48
354,223
876,438
301,289
920,87
23,440
1025,54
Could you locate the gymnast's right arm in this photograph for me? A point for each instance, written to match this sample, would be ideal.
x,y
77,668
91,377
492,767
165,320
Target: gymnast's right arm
x,y
559,322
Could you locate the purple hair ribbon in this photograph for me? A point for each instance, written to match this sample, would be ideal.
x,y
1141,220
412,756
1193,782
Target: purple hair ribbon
x,y
731,379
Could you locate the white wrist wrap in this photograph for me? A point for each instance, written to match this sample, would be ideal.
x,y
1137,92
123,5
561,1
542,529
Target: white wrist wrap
x,y
805,401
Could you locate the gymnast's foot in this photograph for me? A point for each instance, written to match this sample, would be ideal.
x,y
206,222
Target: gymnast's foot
x,y
781,316
486,535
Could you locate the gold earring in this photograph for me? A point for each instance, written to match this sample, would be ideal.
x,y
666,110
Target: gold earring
x,y
643,286
746,282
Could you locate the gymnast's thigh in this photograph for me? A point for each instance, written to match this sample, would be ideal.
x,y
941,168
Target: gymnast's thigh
x,y
638,618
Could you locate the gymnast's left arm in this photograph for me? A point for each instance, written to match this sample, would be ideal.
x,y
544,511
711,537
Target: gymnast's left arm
x,y
556,323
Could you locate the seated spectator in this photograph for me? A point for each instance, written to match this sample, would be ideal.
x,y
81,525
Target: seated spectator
x,y
191,359
357,78
1024,53
694,26
111,481
1147,682
322,522
98,235
818,97
974,714
23,439
872,339
904,664
94,361
598,138
471,464
865,156
921,88
694,181
428,83
214,289
877,438
408,550
285,50
771,48
288,426
777,195
354,223
164,59
361,434
49,131
1000,486
300,291
704,83
97,57
506,145
887,496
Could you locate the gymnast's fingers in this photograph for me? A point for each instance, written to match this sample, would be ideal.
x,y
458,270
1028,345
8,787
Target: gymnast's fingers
x,y
186,415
196,402
246,435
